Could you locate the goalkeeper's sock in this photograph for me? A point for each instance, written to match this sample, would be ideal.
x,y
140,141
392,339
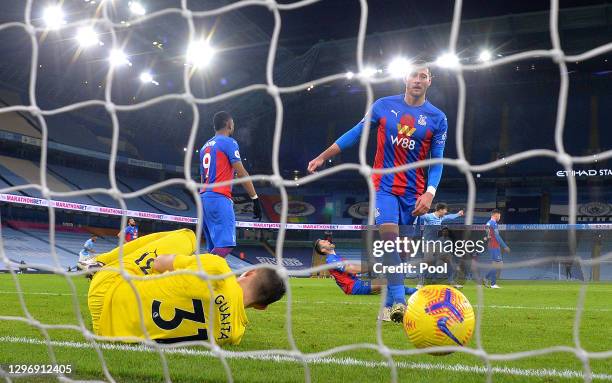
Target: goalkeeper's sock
x,y
410,290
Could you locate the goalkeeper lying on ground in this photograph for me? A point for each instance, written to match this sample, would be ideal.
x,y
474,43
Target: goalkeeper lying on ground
x,y
176,307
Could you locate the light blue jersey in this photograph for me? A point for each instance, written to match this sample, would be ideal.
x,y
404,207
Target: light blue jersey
x,y
88,250
432,224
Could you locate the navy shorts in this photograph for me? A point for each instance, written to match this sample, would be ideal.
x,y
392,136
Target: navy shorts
x,y
219,221
496,255
361,287
391,208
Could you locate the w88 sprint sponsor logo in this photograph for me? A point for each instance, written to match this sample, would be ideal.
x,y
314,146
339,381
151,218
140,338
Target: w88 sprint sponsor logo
x,y
403,142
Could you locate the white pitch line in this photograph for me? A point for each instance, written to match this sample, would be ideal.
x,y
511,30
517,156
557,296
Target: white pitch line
x,y
540,372
502,307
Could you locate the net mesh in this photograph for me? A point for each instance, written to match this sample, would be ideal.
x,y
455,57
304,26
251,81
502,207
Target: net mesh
x,y
293,353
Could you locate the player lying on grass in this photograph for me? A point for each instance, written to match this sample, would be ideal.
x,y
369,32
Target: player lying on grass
x,y
409,129
346,275
175,307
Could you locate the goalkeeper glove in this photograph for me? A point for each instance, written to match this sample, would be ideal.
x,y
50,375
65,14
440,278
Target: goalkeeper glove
x,y
256,208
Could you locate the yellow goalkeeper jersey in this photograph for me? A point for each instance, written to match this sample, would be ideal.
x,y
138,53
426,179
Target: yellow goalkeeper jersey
x,y
175,307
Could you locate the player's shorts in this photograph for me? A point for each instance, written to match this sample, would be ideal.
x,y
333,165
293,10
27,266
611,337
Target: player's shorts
x,y
219,220
361,287
496,255
394,209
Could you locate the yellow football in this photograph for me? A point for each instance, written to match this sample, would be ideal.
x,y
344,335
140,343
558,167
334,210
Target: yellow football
x,y
439,315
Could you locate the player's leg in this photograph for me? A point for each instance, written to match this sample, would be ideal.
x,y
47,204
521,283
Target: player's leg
x,y
495,261
409,290
98,289
221,223
461,270
406,226
498,274
387,218
450,268
139,255
498,265
205,230
492,275
476,269
361,287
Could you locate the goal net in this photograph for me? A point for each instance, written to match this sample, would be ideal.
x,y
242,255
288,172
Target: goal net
x,y
104,21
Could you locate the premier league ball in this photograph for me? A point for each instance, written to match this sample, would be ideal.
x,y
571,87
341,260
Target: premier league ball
x,y
439,315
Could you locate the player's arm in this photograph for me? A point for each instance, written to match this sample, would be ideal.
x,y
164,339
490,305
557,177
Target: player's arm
x,y
171,262
500,240
434,174
450,217
345,141
352,269
249,187
241,172
342,267
233,154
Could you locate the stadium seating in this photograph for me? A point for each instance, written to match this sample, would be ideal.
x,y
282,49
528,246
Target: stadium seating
x,y
170,200
32,250
175,199
20,172
30,242
83,179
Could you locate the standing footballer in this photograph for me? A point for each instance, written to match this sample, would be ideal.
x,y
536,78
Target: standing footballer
x,y
219,159
130,232
409,129
496,244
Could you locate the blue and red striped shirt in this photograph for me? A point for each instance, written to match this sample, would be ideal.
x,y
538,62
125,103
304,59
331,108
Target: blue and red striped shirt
x,y
216,159
405,134
343,279
495,240
131,233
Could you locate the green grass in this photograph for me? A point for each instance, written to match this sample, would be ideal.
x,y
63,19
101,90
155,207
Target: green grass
x,y
520,317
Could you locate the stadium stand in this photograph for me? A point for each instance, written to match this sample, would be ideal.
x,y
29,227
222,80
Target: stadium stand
x,y
29,242
4,184
15,122
169,200
16,172
20,246
68,130
83,179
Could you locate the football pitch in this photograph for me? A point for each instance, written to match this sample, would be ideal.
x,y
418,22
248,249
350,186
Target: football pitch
x,y
522,316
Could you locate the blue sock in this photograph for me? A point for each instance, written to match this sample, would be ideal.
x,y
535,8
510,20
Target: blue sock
x,y
410,290
398,293
389,297
395,281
